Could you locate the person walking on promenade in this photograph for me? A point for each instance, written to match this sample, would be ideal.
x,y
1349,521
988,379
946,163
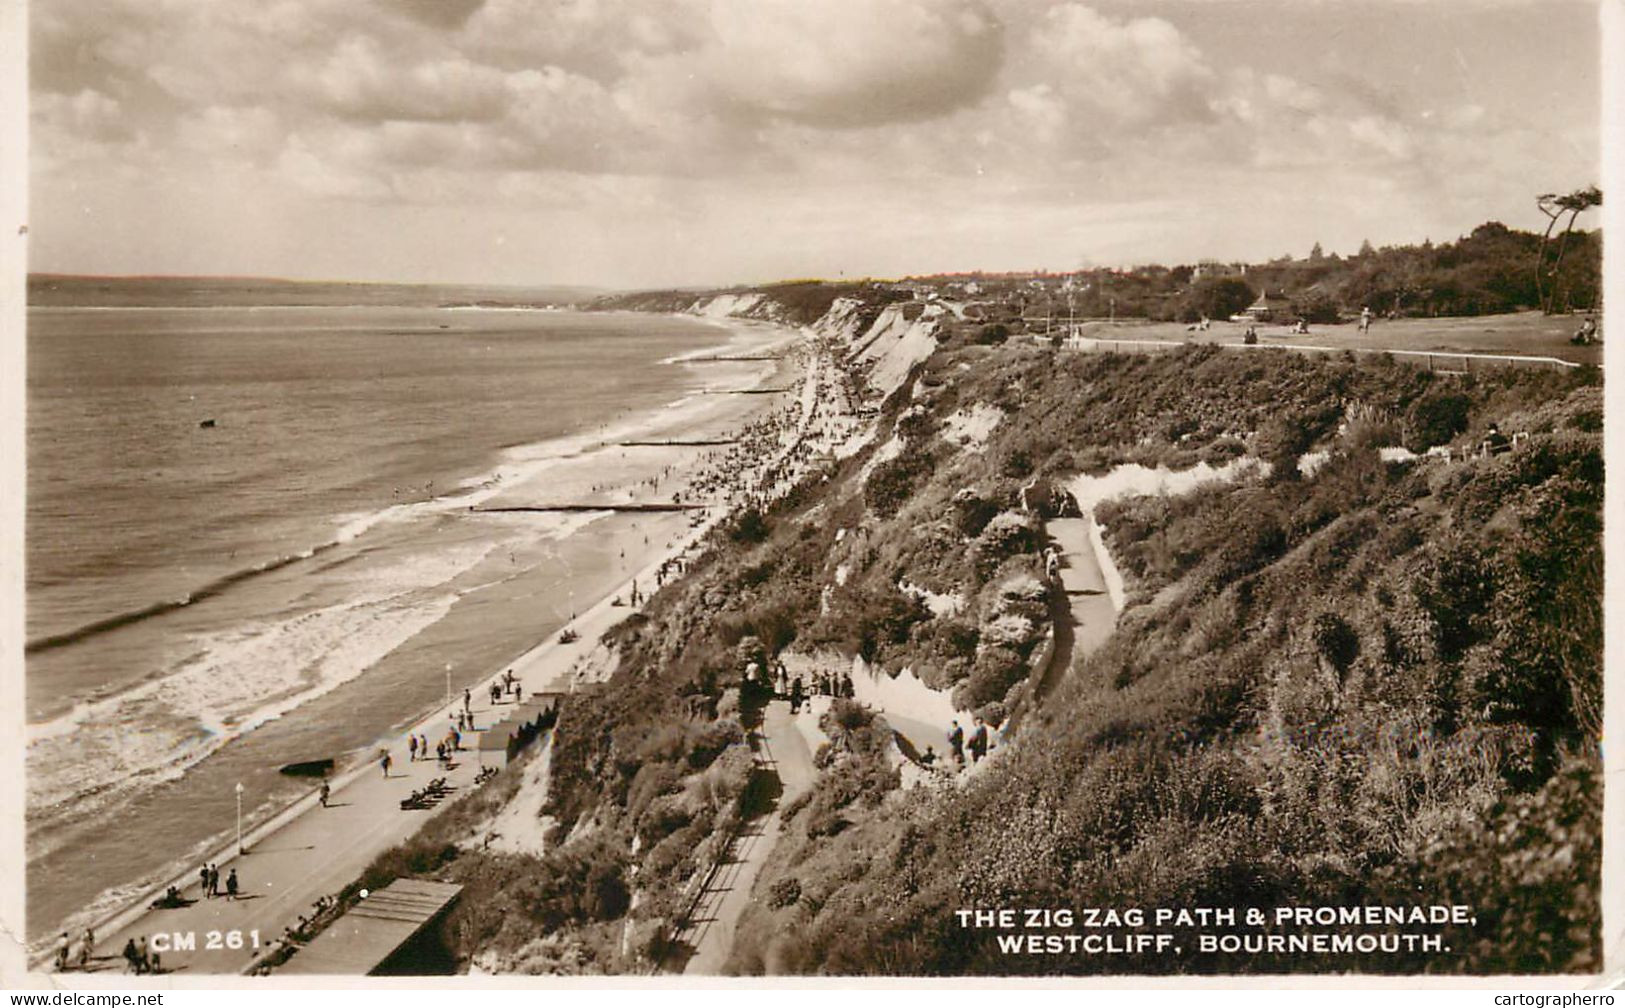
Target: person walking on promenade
x,y
326,791
132,961
796,696
214,880
384,761
86,948
978,741
143,957
956,743
62,954
231,885
203,880
468,698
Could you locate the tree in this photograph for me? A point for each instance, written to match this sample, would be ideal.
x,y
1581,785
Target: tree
x,y
1316,254
1366,249
1217,297
1554,207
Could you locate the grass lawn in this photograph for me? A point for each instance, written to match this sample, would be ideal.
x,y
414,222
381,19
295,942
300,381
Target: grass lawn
x,y
1523,333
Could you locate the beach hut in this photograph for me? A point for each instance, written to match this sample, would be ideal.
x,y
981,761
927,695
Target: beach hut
x,y
498,744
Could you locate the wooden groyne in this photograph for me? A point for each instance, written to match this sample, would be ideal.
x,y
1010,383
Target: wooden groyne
x,y
555,508
697,443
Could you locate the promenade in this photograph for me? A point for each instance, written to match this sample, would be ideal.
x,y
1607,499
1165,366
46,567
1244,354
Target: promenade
x,y
305,853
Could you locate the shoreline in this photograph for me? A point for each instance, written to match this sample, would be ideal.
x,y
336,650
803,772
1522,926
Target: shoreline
x,y
591,447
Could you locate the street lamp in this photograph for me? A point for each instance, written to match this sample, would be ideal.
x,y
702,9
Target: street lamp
x,y
448,682
240,818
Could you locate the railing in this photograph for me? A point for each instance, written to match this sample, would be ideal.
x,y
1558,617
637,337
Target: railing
x,y
1433,359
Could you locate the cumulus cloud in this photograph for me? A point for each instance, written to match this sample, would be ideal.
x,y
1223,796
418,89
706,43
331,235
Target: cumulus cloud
x,y
845,63
987,105
1139,71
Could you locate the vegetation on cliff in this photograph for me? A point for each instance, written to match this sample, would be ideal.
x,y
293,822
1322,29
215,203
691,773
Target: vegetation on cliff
x,y
1351,682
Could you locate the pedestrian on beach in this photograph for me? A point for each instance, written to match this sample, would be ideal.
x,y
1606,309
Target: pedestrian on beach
x,y
231,885
214,880
326,790
956,743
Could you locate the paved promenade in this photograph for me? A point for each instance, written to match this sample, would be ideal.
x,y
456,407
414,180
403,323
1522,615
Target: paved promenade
x,y
303,854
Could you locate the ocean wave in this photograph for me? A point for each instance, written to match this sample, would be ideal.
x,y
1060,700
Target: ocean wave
x,y
350,527
240,679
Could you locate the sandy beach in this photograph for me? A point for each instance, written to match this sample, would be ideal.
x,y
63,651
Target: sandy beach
x,y
681,450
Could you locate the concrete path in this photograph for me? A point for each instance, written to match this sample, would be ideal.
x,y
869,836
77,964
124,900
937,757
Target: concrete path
x,y
1093,616
782,748
304,853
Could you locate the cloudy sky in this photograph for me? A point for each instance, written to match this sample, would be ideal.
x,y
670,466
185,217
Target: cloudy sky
x,y
646,142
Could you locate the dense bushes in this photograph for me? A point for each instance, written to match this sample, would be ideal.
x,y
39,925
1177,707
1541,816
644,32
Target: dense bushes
x,y
1374,684
1330,688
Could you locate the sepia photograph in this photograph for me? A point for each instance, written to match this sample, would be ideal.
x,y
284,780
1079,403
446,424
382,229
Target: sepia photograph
x,y
787,490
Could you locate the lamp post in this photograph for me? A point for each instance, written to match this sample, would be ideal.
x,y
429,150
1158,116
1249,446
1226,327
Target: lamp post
x,y
240,818
448,682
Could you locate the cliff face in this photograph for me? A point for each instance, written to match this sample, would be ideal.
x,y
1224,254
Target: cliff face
x,y
882,342
1373,683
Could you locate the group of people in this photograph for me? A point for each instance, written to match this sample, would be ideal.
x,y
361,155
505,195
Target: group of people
x,y
64,951
209,881
507,685
825,682
138,958
417,747
977,745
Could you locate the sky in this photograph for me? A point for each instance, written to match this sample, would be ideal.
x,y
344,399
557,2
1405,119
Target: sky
x,y
639,143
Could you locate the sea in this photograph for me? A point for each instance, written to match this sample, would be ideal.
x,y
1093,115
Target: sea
x,y
250,543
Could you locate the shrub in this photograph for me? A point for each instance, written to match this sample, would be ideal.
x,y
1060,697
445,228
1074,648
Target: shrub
x,y
1336,641
972,512
894,481
711,740
782,893
1435,419
992,334
1005,536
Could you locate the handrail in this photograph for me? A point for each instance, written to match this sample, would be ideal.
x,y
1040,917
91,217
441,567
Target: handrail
x,y
1074,342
